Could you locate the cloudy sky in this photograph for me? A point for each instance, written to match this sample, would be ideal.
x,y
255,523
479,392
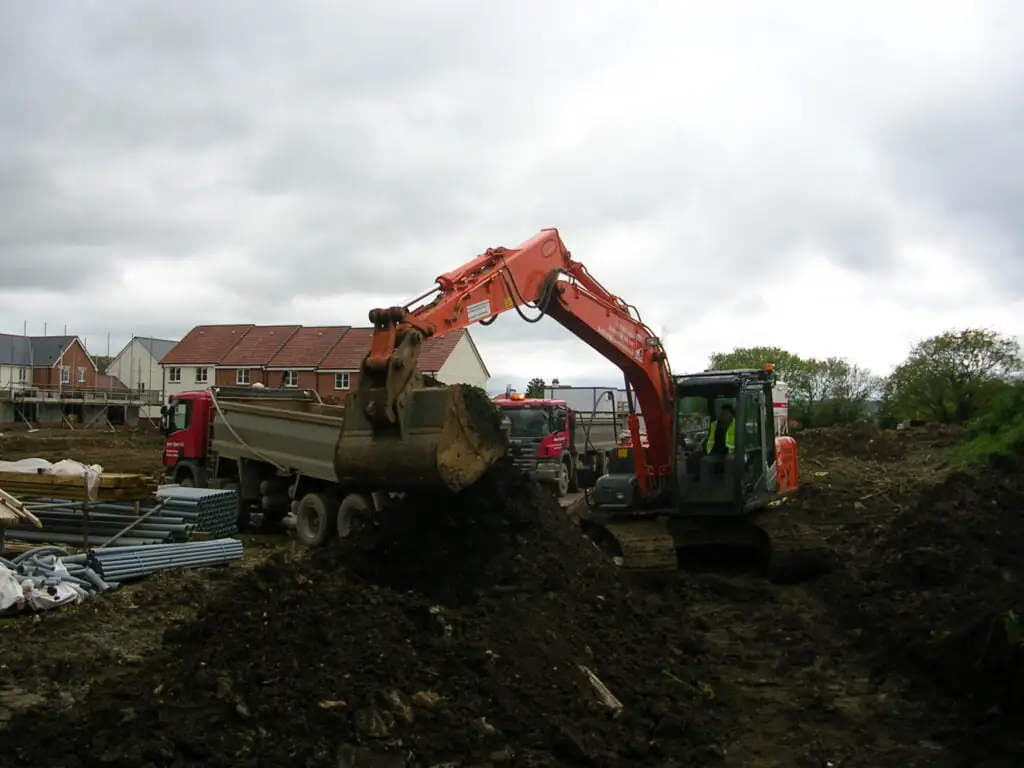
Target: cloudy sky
x,y
834,178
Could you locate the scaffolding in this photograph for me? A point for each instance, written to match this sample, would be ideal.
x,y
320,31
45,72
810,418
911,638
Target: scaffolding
x,y
46,381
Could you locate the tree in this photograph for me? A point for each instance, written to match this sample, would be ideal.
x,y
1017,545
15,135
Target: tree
x,y
953,377
790,368
829,391
843,391
535,388
786,363
102,362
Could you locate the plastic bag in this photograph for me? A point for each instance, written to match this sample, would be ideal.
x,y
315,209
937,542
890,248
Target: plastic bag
x,y
12,597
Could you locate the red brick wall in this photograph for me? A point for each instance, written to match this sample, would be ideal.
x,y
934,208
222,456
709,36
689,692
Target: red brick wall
x,y
75,357
307,379
325,386
227,377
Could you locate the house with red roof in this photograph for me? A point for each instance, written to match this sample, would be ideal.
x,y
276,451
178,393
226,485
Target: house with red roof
x,y
325,358
192,362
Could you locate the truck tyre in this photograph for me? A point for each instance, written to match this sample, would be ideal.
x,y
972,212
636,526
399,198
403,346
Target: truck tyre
x,y
564,479
315,519
353,513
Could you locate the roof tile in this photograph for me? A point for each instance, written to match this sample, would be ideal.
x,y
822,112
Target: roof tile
x,y
259,345
308,347
437,349
349,353
206,344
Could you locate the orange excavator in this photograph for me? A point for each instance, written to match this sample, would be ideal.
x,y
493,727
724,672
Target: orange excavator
x,y
663,491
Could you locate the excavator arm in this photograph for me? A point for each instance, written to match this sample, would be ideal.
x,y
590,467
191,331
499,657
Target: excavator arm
x,y
540,275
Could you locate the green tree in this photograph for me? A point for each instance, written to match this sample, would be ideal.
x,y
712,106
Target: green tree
x,y
102,362
790,368
821,392
787,365
953,377
843,391
535,388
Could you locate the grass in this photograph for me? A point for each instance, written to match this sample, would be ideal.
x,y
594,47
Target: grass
x,y
999,432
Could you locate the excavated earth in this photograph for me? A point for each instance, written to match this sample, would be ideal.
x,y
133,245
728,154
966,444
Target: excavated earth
x,y
455,632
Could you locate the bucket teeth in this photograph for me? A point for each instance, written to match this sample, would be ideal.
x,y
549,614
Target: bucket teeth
x,y
647,546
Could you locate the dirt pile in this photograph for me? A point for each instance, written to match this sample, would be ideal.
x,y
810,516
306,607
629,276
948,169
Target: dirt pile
x,y
932,573
866,441
453,633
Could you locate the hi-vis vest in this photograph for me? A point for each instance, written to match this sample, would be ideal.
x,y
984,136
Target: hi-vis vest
x,y
730,436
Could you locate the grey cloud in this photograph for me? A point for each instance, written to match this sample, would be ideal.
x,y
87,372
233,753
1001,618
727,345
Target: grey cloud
x,y
341,152
963,161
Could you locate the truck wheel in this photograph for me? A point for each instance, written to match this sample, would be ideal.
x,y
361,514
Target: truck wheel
x,y
353,513
564,479
315,519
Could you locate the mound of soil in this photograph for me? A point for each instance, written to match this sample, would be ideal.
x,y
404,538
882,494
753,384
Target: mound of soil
x,y
867,441
454,632
938,587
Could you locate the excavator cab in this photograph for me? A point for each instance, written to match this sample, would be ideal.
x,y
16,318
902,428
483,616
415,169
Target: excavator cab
x,y
738,477
712,497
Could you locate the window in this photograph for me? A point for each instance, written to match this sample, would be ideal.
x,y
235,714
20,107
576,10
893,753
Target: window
x,y
202,375
174,375
242,377
179,414
22,375
291,378
341,381
65,374
752,421
81,375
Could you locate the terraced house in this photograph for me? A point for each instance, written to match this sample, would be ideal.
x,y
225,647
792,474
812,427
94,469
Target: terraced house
x,y
53,381
324,358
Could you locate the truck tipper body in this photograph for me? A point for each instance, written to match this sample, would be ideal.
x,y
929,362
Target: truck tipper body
x,y
275,448
550,441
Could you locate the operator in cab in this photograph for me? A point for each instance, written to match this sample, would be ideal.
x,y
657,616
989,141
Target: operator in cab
x,y
721,439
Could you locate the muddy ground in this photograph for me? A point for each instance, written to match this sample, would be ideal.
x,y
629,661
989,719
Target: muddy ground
x,y
460,642
127,450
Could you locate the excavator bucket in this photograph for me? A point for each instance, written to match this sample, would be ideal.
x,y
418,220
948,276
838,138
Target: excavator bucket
x,y
438,437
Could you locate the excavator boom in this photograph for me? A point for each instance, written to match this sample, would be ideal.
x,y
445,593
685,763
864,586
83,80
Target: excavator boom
x,y
400,433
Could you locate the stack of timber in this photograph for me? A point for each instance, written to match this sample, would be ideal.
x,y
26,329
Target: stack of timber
x,y
113,486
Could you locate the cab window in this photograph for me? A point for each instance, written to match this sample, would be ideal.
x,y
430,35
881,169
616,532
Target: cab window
x,y
752,421
179,415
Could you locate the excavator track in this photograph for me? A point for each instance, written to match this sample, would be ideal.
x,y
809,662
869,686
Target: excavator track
x,y
647,546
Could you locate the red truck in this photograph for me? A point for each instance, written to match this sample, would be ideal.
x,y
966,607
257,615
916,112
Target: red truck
x,y
274,447
550,441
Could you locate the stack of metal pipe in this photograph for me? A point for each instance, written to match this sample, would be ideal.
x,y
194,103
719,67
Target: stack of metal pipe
x,y
64,522
211,510
175,515
127,563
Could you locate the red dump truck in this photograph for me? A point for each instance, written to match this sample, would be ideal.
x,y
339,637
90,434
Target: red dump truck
x,y
550,441
278,449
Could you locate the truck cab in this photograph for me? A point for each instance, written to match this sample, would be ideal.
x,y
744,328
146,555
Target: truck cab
x,y
540,438
185,424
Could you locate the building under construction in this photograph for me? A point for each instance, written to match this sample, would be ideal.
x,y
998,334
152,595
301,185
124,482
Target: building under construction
x,y
52,381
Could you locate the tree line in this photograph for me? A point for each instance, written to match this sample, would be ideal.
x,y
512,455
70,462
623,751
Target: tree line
x,y
953,378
